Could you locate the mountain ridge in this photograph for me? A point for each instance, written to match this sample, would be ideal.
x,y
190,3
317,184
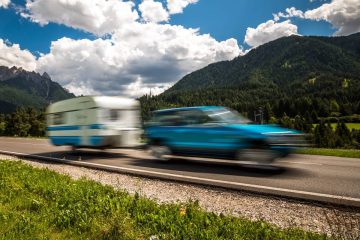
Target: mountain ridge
x,y
258,56
21,88
295,75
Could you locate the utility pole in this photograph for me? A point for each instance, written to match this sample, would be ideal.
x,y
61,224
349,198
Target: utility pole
x,y
259,113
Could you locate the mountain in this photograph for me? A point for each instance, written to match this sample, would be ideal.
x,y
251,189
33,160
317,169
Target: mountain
x,y
286,61
20,88
293,74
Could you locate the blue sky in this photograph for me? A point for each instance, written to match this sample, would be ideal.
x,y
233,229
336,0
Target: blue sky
x,y
230,18
130,48
31,35
222,19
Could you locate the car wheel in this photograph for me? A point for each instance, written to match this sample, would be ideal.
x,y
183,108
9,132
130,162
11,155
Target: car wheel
x,y
255,156
160,152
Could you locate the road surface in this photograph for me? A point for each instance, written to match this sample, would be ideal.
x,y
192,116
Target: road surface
x,y
302,176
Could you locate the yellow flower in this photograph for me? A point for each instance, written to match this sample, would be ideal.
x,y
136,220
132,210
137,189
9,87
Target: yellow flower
x,y
182,211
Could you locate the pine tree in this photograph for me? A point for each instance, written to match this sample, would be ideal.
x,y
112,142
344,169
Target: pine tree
x,y
330,137
314,116
268,113
338,133
299,123
308,117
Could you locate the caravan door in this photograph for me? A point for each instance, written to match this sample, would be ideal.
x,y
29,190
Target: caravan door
x,y
84,119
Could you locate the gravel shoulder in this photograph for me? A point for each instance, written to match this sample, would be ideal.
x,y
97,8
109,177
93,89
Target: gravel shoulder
x,y
343,222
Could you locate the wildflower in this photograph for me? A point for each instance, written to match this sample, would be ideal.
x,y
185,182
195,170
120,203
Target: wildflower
x,y
182,211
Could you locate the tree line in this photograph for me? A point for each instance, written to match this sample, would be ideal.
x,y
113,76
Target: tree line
x,y
246,101
30,122
323,134
24,122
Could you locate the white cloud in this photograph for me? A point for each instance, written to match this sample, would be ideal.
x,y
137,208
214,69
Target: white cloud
x,y
138,57
134,57
269,31
138,89
153,11
177,6
290,12
96,16
343,15
4,3
12,55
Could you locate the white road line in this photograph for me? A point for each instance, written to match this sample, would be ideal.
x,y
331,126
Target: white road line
x,y
305,163
192,178
19,143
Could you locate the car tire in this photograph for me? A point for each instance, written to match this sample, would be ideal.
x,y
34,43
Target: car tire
x,y
256,153
160,152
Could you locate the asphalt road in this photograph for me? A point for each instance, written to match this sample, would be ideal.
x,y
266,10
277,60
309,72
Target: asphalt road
x,y
304,176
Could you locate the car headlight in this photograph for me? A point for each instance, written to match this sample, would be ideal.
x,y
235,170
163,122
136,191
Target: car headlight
x,y
293,140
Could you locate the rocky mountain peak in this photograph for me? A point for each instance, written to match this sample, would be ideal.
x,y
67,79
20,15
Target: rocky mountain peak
x,y
27,88
46,75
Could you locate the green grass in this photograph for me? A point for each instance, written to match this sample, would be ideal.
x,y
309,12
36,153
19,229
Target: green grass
x,y
42,204
350,126
29,137
355,126
350,153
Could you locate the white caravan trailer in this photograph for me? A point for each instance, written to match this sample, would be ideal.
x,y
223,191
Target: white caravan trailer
x,y
95,122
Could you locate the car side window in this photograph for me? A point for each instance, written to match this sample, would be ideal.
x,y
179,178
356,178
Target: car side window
x,y
180,118
194,117
168,119
172,120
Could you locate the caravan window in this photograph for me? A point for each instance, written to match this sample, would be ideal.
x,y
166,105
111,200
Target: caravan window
x,y
127,117
114,114
58,118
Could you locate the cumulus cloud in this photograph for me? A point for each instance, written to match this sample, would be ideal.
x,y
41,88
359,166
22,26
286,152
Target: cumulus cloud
x,y
290,12
269,31
12,55
343,15
177,6
153,11
4,3
96,16
137,58
138,89
136,55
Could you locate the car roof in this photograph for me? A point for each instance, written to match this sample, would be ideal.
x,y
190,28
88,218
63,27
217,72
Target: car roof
x,y
202,108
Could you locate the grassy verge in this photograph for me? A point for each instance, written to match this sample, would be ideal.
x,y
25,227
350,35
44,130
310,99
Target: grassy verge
x,y
350,153
41,204
29,137
350,126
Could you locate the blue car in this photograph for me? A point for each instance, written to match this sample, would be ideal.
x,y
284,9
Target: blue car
x,y
213,131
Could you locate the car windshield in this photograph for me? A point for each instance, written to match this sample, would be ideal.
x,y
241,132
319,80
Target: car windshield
x,y
227,116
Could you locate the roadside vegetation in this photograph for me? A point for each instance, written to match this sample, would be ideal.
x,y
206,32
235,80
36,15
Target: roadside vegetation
x,y
351,126
349,153
24,122
42,204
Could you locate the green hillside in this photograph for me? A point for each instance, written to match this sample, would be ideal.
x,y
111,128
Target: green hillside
x,y
20,88
313,76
